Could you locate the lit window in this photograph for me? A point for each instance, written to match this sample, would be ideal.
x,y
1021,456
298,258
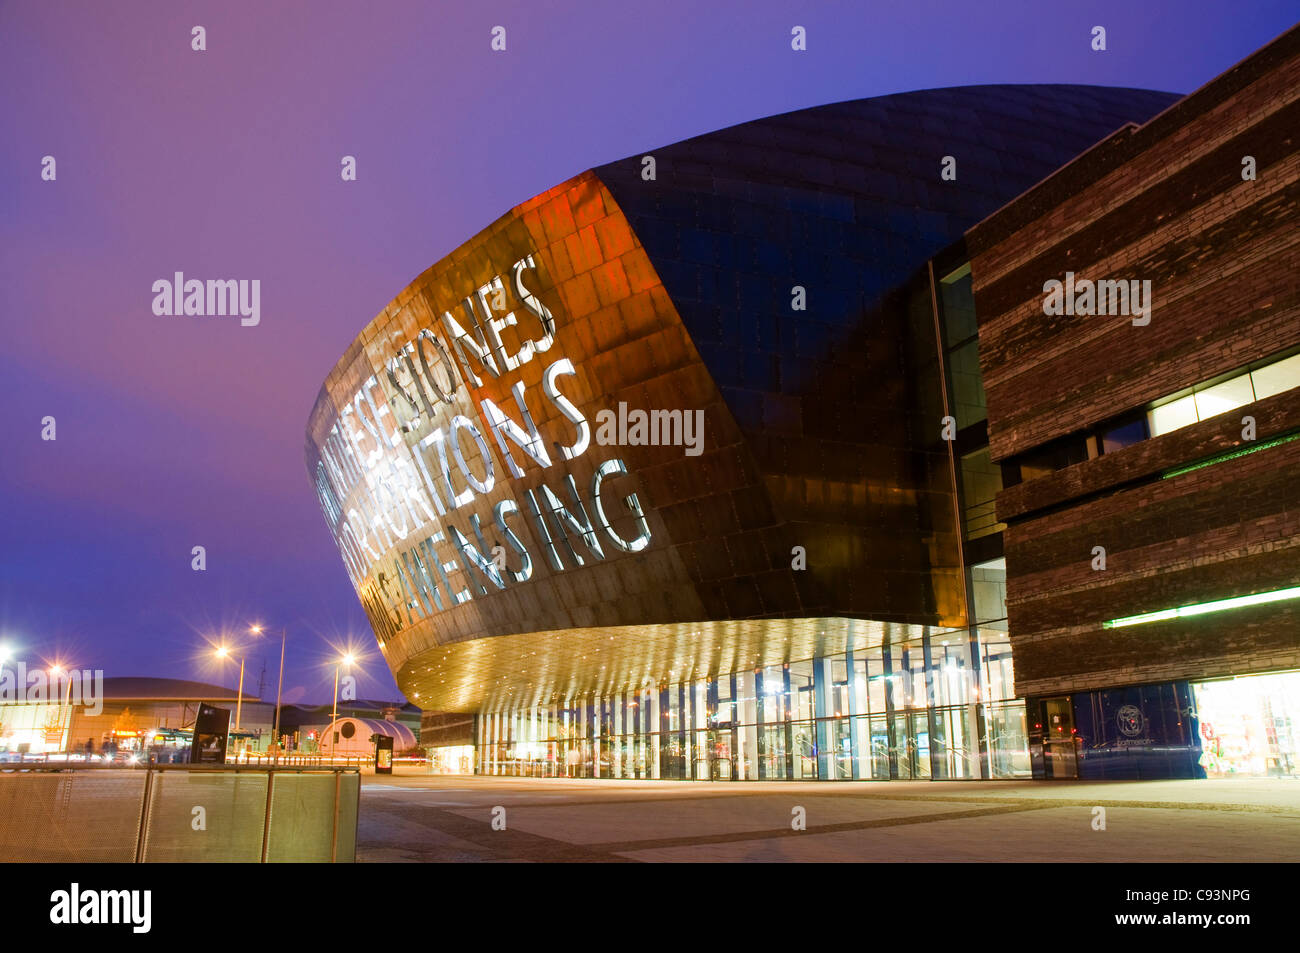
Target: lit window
x,y
1171,416
1277,377
1224,397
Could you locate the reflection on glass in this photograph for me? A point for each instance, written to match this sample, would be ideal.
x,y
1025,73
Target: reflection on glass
x,y
981,482
920,708
1125,435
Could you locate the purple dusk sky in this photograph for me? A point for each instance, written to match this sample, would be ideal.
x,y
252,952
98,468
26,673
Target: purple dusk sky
x,y
183,431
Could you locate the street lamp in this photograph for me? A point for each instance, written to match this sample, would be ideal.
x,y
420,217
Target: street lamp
x,y
344,660
222,653
55,671
275,730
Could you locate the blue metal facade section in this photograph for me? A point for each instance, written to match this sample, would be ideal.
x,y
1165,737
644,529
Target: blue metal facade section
x,y
846,200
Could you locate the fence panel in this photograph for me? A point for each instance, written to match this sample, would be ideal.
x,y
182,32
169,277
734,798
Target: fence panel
x,y
302,818
233,804
70,816
92,815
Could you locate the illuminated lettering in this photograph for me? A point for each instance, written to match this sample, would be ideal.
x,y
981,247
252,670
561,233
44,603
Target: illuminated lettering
x,y
415,602
361,537
496,325
377,500
565,406
443,393
455,500
499,513
564,516
642,540
426,478
548,544
459,423
534,305
419,571
477,345
416,405
477,557
442,568
502,427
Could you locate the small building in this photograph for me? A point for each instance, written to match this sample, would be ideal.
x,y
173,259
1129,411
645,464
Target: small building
x,y
352,737
306,725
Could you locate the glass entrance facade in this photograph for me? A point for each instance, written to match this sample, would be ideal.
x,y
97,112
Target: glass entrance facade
x,y
936,706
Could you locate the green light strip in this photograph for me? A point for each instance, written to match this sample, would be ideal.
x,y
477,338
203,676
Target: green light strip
x,y
1230,455
1200,608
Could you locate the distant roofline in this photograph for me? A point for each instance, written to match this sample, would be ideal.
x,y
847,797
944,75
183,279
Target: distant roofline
x,y
855,100
153,688
161,689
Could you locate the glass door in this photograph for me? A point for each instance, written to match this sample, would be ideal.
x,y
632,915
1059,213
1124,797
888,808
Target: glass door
x,y
722,746
1060,751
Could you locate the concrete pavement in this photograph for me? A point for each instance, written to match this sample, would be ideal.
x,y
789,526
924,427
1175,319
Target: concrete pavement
x,y
447,818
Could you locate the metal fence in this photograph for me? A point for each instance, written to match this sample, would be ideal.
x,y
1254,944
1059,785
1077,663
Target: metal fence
x,y
171,813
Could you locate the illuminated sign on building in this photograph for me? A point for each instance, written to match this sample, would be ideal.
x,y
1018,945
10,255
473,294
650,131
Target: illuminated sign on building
x,y
405,471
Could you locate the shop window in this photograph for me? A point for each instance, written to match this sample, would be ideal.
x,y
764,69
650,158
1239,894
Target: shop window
x,y
1250,726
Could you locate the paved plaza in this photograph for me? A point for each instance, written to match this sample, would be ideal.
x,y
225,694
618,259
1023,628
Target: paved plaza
x,y
450,819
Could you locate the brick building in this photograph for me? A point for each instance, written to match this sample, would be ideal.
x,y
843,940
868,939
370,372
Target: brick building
x,y
1168,449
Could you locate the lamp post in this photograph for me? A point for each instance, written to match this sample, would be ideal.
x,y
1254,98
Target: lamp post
x,y
223,652
279,686
55,671
334,715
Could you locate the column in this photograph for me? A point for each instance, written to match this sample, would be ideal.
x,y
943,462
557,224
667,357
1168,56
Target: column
x,y
821,711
